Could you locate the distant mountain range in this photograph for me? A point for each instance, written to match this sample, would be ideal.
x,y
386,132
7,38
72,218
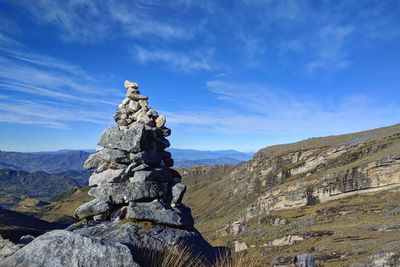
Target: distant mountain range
x,y
67,160
50,162
191,154
45,174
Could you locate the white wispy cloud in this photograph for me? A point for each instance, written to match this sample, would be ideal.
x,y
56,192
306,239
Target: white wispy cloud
x,y
43,90
331,53
54,116
259,109
176,60
90,21
318,39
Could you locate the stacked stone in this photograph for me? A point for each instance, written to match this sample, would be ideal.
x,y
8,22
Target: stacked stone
x,y
133,178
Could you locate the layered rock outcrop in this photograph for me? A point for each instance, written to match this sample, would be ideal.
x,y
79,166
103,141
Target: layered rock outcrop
x,y
138,200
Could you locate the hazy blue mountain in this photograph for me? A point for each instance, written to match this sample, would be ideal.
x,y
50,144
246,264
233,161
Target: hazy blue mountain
x,y
191,154
50,162
206,162
67,160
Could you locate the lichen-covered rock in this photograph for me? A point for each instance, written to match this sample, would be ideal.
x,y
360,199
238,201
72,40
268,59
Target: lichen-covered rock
x,y
62,248
131,140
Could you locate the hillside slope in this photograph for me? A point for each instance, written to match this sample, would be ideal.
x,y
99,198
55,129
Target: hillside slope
x,y
14,224
18,185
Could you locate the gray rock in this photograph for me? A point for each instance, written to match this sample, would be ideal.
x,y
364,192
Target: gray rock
x,y
100,217
168,162
7,248
165,131
119,214
160,143
149,157
157,175
132,90
384,258
107,176
120,193
141,116
105,155
166,155
91,208
125,101
133,106
132,140
178,190
134,166
110,165
160,213
137,97
144,238
26,239
62,248
152,113
160,121
129,84
304,260
143,103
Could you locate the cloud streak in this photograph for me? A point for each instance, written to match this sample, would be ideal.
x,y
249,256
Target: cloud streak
x,y
178,61
259,109
30,83
136,18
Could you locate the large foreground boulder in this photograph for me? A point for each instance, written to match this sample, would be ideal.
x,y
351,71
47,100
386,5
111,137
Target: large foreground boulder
x,y
62,248
144,239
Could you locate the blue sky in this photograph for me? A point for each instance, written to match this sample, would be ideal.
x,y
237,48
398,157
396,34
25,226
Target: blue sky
x,y
227,74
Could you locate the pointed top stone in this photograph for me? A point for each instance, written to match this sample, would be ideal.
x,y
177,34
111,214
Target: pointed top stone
x,y
129,84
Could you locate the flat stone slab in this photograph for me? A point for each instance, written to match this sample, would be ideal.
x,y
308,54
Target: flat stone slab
x,y
160,213
157,175
122,193
132,139
107,176
105,155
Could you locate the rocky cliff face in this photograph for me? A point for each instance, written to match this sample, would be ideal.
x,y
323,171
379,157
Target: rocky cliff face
x,y
137,211
305,174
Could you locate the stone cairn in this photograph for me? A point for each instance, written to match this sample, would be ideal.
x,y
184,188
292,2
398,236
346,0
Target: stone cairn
x,y
133,177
